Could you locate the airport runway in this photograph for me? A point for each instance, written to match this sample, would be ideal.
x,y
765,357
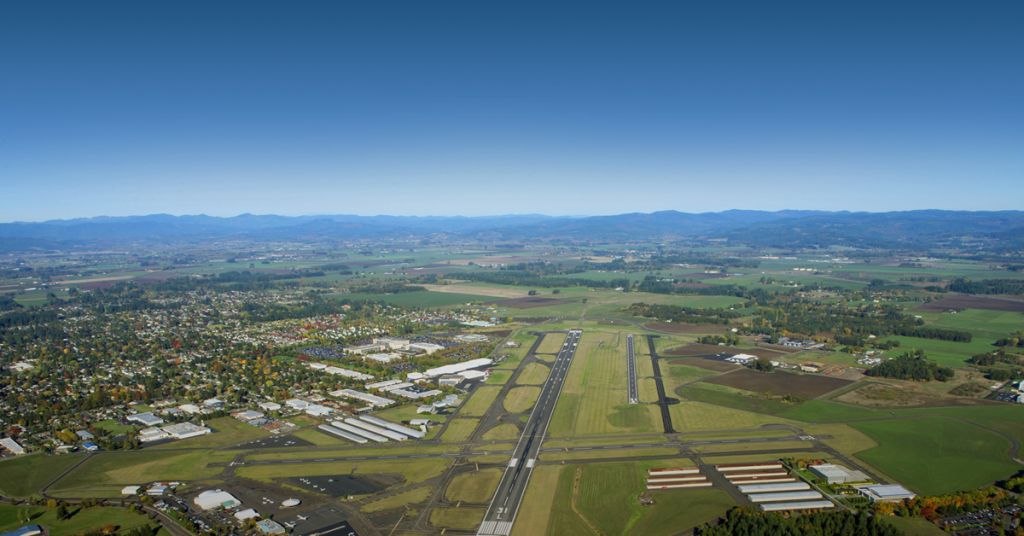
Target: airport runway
x,y
503,508
633,397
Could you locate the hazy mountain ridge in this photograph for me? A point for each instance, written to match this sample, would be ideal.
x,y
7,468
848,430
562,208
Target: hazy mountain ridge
x,y
783,228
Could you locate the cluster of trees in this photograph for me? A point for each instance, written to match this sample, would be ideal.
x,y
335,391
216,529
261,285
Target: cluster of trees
x,y
530,278
851,324
740,521
1015,340
728,339
7,303
1014,483
911,365
992,358
987,286
675,313
763,365
961,502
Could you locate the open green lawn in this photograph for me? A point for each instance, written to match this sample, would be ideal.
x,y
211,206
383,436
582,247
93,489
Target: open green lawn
x,y
608,498
459,430
479,401
946,353
104,473
412,471
934,455
401,500
465,518
593,399
85,520
227,431
733,398
533,374
475,487
26,475
521,399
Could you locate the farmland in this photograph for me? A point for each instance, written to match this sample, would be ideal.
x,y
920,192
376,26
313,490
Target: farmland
x,y
590,469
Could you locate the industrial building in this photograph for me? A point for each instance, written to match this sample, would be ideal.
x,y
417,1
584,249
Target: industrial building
x,y
12,446
784,496
341,433
837,474
769,488
216,498
456,368
379,430
415,434
800,505
359,432
145,419
886,493
373,400
185,430
384,358
415,395
377,386
753,466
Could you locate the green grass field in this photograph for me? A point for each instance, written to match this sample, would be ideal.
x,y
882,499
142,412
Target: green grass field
x,y
227,431
934,455
459,430
593,399
520,399
104,473
412,471
26,475
86,520
533,374
465,518
479,401
607,497
420,298
475,487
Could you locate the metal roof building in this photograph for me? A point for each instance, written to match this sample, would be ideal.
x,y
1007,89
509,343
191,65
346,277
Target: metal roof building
x,y
785,496
800,505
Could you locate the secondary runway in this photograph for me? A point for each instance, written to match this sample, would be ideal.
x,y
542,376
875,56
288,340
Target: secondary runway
x,y
503,508
633,397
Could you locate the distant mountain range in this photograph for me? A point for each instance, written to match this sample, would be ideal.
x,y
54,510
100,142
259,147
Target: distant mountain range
x,y
789,228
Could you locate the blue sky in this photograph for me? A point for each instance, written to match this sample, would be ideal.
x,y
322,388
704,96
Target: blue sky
x,y
489,108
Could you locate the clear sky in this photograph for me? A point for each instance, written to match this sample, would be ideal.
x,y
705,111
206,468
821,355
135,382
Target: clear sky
x,y
484,107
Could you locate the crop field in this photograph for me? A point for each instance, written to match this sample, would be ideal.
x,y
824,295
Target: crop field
x,y
420,298
593,399
780,383
961,302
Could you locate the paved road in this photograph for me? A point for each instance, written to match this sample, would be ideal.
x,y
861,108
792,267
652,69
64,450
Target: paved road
x,y
503,508
663,401
633,397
